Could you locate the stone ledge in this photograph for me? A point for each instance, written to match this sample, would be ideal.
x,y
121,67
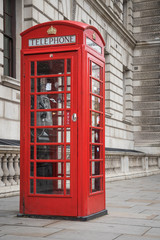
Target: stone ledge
x,y
10,82
9,191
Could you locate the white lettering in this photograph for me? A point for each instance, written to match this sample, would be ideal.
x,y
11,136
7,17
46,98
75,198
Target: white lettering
x,y
52,41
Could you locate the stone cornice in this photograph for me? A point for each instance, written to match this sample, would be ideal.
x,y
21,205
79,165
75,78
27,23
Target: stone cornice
x,y
109,17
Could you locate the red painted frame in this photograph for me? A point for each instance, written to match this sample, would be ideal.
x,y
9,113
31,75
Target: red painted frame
x,y
81,203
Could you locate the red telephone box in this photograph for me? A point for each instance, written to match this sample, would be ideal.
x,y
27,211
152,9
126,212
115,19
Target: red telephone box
x,y
62,121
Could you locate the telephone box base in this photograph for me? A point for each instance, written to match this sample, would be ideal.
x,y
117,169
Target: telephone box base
x,y
85,218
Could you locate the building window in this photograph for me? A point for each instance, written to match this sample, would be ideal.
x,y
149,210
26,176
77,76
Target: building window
x,y
125,13
9,37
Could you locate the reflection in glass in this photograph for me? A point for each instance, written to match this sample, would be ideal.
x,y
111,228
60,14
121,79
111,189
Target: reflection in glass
x,y
95,152
95,136
31,186
48,118
32,101
96,168
95,70
68,135
50,67
50,135
48,169
52,152
67,169
32,68
68,83
96,119
50,84
96,184
31,169
49,186
32,135
96,103
67,187
68,100
95,87
68,153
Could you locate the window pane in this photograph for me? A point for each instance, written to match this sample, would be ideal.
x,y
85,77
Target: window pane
x,y
96,184
96,103
8,25
7,51
31,169
32,152
96,119
50,84
32,68
50,118
95,152
49,101
31,186
95,87
67,187
50,169
7,6
50,135
50,152
95,70
50,67
32,84
68,100
68,169
6,67
68,66
95,136
32,101
96,168
68,83
32,119
49,186
68,135
68,152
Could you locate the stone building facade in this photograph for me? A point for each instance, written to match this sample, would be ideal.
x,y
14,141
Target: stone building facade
x,y
130,29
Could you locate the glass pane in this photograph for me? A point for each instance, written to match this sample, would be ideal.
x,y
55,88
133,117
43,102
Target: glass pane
x,y
96,103
31,186
32,84
96,119
95,70
50,118
7,71
68,100
32,101
7,6
32,68
95,87
68,66
49,186
49,101
67,169
95,152
8,25
95,136
50,135
50,169
96,168
68,152
32,152
67,187
68,135
50,67
52,152
50,84
68,83
32,135
32,119
7,47
96,184
31,169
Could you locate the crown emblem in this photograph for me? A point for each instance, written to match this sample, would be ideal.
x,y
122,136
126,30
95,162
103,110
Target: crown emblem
x,y
52,30
94,36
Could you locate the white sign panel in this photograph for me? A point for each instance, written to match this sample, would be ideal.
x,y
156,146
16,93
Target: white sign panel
x,y
52,41
93,45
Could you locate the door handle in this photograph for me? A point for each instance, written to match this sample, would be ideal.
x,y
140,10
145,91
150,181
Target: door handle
x,y
74,117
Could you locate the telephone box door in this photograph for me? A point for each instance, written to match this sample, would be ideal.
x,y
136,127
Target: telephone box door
x,y
50,124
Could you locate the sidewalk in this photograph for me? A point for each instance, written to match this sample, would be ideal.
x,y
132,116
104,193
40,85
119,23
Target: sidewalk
x,y
134,214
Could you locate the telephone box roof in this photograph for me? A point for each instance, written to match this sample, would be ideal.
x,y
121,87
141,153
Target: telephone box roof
x,y
75,24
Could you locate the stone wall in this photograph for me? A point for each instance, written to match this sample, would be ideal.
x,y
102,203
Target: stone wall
x,y
147,75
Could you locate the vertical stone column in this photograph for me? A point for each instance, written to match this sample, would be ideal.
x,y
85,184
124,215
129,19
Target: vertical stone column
x,y
1,172
16,168
5,170
11,170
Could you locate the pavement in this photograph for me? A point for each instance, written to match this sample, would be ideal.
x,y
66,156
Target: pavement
x,y
134,214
